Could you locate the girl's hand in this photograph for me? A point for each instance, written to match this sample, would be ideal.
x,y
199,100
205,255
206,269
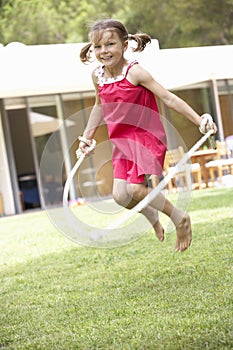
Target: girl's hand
x,y
207,124
213,127
86,147
83,147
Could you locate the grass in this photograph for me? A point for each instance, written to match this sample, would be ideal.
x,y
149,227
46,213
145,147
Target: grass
x,y
57,295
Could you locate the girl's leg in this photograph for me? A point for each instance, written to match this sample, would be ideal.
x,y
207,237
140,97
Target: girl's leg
x,y
122,197
179,218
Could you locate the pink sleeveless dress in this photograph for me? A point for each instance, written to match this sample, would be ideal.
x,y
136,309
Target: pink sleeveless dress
x,y
134,127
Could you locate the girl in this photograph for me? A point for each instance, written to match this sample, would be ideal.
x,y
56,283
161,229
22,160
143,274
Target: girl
x,y
125,98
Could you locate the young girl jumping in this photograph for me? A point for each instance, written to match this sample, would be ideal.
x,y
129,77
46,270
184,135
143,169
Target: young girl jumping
x,y
125,98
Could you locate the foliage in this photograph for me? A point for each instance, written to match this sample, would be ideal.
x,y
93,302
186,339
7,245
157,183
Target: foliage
x,y
202,22
175,23
179,23
55,295
28,21
50,21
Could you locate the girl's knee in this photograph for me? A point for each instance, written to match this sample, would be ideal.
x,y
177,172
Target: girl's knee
x,y
120,193
137,191
127,195
121,198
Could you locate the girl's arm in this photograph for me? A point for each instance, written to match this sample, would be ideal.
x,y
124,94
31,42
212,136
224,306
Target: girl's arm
x,y
139,76
94,120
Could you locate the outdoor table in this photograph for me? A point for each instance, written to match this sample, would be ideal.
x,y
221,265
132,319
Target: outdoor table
x,y
201,156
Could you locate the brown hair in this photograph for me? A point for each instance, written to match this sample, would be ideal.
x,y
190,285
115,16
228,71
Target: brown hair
x,y
96,32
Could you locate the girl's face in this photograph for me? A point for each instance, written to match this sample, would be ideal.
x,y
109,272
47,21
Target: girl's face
x,y
109,49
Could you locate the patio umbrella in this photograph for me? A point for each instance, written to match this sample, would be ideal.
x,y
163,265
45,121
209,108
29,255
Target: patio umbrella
x,y
42,124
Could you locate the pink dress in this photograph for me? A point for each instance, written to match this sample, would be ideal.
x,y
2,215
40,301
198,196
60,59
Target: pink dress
x,y
134,127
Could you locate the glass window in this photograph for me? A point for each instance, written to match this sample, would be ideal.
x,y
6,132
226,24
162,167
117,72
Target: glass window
x,y
225,90
45,126
199,98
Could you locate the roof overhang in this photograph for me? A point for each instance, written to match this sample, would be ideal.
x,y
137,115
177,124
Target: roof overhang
x,y
49,69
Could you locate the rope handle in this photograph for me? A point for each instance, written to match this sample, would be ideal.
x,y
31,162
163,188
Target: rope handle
x,y
90,146
207,119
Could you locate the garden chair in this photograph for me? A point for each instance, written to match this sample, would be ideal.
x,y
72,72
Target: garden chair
x,y
172,157
224,162
229,144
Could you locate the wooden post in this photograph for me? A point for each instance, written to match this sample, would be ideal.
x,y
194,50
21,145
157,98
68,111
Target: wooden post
x,y
1,205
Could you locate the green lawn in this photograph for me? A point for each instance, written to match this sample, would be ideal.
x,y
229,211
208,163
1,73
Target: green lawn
x,y
57,295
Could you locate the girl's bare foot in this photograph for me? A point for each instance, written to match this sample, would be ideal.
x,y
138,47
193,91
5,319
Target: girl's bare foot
x,y
159,231
184,234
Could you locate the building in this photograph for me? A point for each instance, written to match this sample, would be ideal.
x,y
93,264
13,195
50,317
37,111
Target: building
x,y
45,88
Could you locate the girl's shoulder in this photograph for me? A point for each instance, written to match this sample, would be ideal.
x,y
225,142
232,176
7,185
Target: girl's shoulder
x,y
137,75
135,67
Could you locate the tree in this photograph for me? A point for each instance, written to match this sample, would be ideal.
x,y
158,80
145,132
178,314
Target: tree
x,y
154,19
51,21
175,23
180,23
202,22
31,22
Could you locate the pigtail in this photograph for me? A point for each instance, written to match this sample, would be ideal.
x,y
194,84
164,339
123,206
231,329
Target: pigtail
x,y
142,39
85,54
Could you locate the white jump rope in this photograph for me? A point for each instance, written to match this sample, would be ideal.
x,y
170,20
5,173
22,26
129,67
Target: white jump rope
x,y
206,119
